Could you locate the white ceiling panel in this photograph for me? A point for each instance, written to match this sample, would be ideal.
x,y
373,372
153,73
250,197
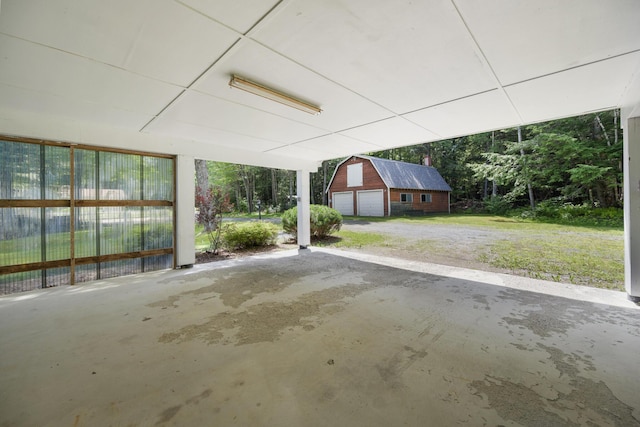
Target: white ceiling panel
x,y
523,40
53,72
341,108
209,111
209,136
592,88
69,109
479,113
157,38
386,74
396,132
394,53
240,15
332,146
294,152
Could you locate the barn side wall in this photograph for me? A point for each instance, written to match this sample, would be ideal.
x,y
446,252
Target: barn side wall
x,y
370,180
439,202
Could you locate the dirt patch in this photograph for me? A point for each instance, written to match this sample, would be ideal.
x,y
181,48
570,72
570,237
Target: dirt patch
x,y
223,255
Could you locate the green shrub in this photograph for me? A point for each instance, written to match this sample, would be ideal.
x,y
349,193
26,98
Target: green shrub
x,y
496,205
324,221
290,221
554,210
249,234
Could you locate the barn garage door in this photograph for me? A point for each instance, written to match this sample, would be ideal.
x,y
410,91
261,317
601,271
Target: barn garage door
x,y
370,203
343,202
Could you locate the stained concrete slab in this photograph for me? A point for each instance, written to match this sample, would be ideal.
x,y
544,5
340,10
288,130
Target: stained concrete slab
x,y
319,338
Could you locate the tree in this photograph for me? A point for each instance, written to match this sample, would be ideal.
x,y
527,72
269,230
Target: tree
x,y
576,160
212,204
202,177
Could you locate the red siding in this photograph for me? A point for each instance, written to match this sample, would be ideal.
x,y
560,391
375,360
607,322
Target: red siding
x,y
439,200
370,181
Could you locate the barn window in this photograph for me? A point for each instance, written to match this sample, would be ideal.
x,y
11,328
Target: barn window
x,y
354,175
406,197
425,198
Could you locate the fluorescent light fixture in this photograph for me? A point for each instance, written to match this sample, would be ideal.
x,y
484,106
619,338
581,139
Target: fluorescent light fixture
x,y
272,94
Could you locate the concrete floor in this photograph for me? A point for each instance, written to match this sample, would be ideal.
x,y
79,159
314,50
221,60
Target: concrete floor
x,y
319,338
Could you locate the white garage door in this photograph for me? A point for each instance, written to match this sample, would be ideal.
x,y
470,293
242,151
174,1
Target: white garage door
x,y
370,203
343,202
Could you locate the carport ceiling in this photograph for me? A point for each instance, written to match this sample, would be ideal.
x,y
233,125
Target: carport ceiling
x,y
154,74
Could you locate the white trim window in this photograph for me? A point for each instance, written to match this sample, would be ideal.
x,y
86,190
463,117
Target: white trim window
x,y
354,175
425,198
406,197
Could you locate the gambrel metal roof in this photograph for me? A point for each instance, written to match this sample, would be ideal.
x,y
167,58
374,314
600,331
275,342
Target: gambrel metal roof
x,y
402,175
408,176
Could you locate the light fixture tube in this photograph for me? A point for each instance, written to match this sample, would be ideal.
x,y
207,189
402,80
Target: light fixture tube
x,y
272,94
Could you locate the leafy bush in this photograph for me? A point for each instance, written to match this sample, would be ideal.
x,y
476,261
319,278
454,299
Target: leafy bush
x,y
212,204
582,214
324,221
249,234
496,205
157,236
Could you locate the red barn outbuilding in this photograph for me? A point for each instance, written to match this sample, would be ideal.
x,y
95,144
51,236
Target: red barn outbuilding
x,y
370,186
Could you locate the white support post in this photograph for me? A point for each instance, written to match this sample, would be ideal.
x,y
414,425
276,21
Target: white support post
x,y
304,211
185,245
631,166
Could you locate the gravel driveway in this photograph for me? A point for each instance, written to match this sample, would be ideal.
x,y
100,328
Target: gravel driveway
x,y
523,251
454,245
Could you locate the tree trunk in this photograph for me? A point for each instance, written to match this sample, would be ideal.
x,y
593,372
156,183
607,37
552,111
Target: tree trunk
x,y
324,183
616,187
619,193
524,166
494,185
245,176
311,197
238,189
291,203
202,176
274,187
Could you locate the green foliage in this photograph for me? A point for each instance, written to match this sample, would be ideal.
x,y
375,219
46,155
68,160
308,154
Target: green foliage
x,y
212,204
497,205
290,221
249,234
554,210
577,159
155,237
324,221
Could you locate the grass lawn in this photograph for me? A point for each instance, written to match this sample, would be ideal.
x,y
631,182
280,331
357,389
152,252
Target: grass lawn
x,y
584,255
